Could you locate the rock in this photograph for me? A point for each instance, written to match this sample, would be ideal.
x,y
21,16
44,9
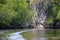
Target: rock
x,y
39,27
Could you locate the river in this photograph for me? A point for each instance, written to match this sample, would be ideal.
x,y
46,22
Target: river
x,y
30,34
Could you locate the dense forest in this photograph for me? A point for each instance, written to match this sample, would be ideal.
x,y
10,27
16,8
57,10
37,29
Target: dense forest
x,y
54,13
16,13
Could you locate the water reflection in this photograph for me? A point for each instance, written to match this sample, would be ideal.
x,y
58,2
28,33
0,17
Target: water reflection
x,y
50,34
46,34
54,32
40,35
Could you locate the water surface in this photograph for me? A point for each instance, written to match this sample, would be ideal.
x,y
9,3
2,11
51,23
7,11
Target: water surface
x,y
31,34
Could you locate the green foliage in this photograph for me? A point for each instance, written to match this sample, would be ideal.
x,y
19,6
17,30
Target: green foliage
x,y
14,11
54,12
58,15
24,14
6,15
3,1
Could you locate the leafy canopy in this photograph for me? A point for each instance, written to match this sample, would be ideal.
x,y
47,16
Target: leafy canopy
x,y
54,11
14,11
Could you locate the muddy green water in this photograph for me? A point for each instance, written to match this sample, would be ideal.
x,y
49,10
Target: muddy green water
x,y
33,34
